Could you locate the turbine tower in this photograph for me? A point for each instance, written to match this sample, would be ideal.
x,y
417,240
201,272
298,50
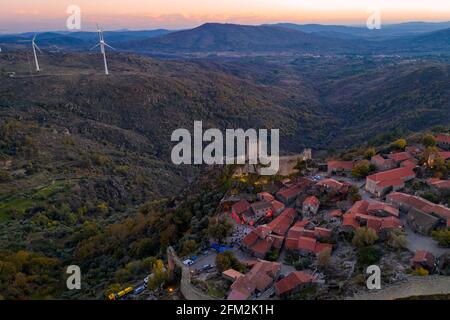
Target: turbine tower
x,y
102,45
34,46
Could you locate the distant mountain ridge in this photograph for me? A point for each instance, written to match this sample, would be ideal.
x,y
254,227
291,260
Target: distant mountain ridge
x,y
409,38
211,37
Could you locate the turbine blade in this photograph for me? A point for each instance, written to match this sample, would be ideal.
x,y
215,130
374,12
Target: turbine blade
x,y
35,45
109,46
94,46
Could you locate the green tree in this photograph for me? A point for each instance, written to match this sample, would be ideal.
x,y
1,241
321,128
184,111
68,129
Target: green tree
x,y
158,276
442,237
188,247
324,259
226,260
364,237
361,169
367,256
399,144
397,239
219,230
428,140
369,153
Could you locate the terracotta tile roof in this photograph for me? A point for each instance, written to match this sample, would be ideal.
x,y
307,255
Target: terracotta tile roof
x,y
336,213
261,247
438,183
390,223
261,205
302,223
443,138
241,206
311,201
340,165
281,224
444,155
232,274
277,205
260,277
419,204
400,156
330,183
277,241
393,175
322,232
410,163
360,206
290,192
307,244
250,238
262,231
239,294
381,206
423,256
292,281
266,196
349,219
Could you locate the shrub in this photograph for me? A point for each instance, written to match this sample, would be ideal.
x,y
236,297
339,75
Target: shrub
x,y
364,237
442,237
368,256
421,272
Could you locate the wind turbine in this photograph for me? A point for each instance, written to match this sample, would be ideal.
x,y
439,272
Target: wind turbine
x,y
34,46
102,45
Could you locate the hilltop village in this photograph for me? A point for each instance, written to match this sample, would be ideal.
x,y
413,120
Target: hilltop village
x,y
312,234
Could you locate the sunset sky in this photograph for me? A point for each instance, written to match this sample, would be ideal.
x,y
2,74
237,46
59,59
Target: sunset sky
x,y
40,15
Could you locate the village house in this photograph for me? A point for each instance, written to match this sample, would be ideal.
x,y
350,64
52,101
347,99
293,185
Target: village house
x,y
339,167
380,217
266,237
261,277
310,206
423,259
381,183
240,208
304,241
443,141
409,163
398,157
260,209
277,207
381,209
438,185
414,150
293,283
288,195
281,224
327,185
381,163
265,196
231,275
423,215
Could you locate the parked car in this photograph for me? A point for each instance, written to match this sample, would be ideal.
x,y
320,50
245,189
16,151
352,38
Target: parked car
x,y
188,262
206,267
139,290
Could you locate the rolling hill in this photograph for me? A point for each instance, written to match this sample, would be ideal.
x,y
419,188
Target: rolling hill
x,y
214,37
